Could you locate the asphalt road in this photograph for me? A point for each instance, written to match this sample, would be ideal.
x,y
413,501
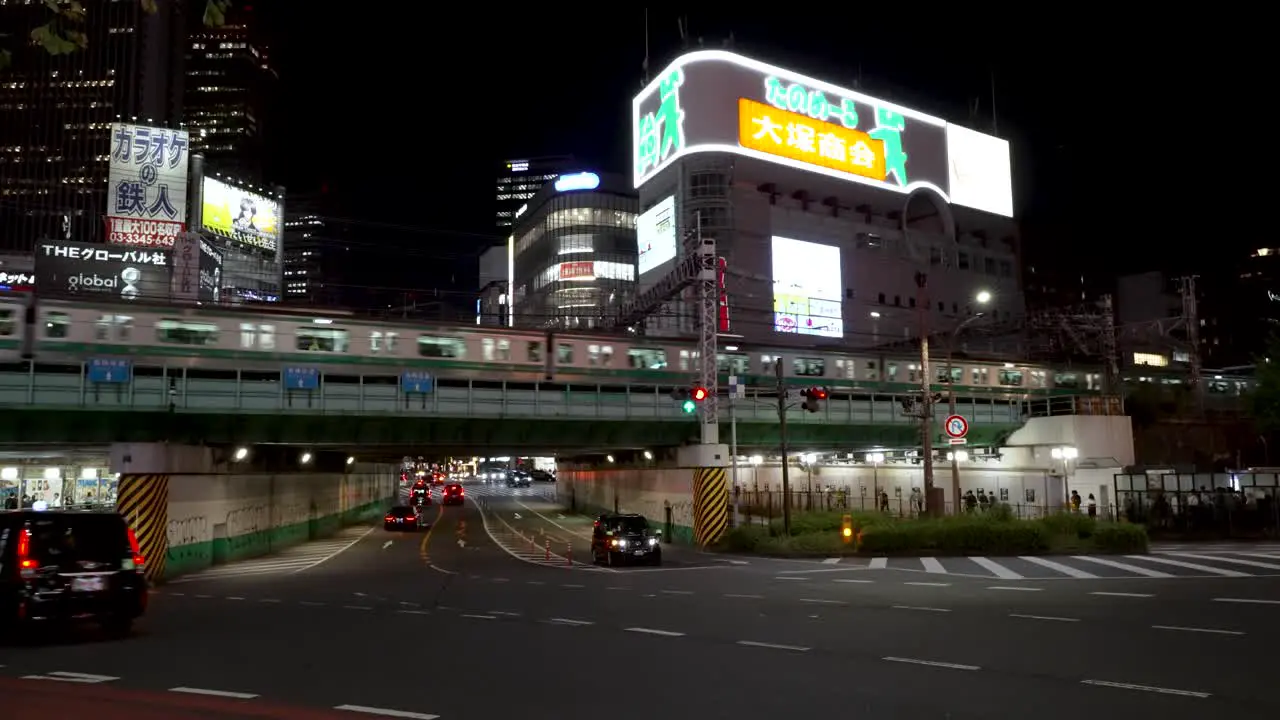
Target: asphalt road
x,y
450,623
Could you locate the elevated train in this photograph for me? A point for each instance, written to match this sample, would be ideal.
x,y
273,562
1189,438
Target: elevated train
x,y
265,338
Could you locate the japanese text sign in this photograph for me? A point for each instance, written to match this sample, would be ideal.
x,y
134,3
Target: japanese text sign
x,y
301,378
578,270
109,370
72,268
186,267
695,105
147,185
241,215
415,381
791,135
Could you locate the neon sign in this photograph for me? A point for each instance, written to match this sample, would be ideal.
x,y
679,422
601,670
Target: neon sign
x,y
792,135
661,133
577,181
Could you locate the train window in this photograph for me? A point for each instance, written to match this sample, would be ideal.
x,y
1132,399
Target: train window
x,y
441,347
8,321
185,332
599,355
891,372
913,373
981,376
809,367
768,363
1093,381
534,351
1069,380
956,374
1011,378
1037,378
871,371
383,342
113,328
647,359
687,359
57,325
495,349
846,368
564,354
254,336
323,339
732,364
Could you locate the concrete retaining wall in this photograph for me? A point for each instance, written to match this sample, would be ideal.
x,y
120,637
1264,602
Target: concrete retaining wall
x,y
219,518
647,491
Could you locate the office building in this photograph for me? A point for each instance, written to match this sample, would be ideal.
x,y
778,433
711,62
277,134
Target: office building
x,y
573,252
229,84
56,113
518,180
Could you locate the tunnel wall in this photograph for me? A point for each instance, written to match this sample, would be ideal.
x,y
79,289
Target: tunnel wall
x,y
646,491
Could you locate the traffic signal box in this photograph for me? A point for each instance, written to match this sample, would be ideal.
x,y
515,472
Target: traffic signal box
x,y
813,398
846,529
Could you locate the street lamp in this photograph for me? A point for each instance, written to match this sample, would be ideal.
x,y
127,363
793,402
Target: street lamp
x,y
875,459
982,298
1066,455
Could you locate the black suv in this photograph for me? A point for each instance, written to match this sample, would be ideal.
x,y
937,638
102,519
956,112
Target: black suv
x,y
621,539
66,565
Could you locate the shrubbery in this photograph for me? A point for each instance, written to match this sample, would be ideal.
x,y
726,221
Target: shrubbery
x,y
991,533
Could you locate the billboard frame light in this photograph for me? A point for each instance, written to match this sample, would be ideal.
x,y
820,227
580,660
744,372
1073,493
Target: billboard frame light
x,y
764,68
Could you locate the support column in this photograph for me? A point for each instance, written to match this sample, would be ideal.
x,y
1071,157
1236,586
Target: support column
x,y
710,505
143,500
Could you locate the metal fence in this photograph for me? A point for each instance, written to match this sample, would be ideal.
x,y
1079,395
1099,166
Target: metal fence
x,y
761,507
1212,505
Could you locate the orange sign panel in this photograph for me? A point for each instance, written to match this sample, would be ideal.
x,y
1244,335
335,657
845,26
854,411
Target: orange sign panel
x,y
767,129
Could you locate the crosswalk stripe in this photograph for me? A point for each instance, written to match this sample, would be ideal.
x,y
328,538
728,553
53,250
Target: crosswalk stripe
x,y
1123,566
1234,561
879,563
932,565
1189,566
996,569
1058,567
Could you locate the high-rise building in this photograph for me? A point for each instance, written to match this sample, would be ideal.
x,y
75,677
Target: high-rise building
x,y
56,113
518,180
229,83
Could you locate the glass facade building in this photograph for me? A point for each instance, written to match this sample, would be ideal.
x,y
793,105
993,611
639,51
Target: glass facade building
x,y
573,255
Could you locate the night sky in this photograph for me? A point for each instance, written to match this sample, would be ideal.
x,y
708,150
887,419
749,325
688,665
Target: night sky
x,y
406,119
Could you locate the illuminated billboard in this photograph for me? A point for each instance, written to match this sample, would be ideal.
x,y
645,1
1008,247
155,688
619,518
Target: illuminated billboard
x,y
718,101
241,215
806,288
146,185
656,235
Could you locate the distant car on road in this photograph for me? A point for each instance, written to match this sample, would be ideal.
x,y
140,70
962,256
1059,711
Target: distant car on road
x,y
622,539
541,476
61,566
452,494
402,517
518,478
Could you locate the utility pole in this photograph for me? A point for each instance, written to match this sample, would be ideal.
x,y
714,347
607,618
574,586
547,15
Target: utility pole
x,y
782,435
926,394
1191,314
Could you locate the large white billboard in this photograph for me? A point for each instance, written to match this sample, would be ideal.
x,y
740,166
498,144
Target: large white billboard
x,y
979,171
240,215
806,288
147,185
656,235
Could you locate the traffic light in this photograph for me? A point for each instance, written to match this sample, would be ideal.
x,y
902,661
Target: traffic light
x,y
846,529
699,394
813,398
689,407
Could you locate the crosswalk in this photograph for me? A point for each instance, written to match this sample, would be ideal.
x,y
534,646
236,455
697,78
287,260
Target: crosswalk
x,y
535,492
288,561
1164,564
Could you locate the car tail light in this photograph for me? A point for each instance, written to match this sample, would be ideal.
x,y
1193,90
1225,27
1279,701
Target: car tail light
x,y
390,518
139,562
26,565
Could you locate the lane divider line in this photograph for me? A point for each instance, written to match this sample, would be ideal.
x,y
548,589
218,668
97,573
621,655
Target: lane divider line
x,y
1211,631
384,712
931,663
213,693
772,646
1146,688
1044,617
654,631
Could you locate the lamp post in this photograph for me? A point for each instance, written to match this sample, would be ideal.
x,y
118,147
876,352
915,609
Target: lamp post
x,y
982,298
875,459
1066,455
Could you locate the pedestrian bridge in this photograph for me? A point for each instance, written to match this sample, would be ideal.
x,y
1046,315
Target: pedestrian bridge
x,y
68,403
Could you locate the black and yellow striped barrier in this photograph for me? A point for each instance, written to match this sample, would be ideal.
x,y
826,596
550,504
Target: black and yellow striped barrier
x,y
143,500
710,505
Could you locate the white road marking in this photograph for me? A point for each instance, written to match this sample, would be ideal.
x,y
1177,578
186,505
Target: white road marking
x,y
652,631
504,613
534,582
385,712
1247,601
1146,688
442,570
203,596
386,544
269,600
1189,566
928,584
831,561
410,604
996,569
356,607
177,594
772,646
878,563
336,553
933,565
931,663
479,617
1122,594
310,603
1237,561
1019,589
819,601
923,609
678,592
1123,566
234,597
1211,631
72,677
413,612
570,621
1044,617
213,693
789,577
501,580
744,597
517,516
1059,567
851,580
571,585
617,587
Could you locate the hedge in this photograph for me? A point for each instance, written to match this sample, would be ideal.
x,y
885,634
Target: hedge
x,y
985,534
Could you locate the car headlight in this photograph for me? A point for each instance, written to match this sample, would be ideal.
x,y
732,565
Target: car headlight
x,y
622,543
653,541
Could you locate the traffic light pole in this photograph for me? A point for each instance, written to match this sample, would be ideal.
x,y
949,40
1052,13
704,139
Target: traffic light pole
x,y
932,502
782,435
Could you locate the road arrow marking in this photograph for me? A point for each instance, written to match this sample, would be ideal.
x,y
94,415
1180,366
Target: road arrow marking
x,y
386,545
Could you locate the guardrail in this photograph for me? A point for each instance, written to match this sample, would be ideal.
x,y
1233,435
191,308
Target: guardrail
x,y
374,395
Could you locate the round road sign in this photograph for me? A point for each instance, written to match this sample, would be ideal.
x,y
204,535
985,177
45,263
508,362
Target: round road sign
x,y
956,426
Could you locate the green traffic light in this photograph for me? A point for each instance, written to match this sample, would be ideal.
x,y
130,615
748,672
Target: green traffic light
x,y
690,406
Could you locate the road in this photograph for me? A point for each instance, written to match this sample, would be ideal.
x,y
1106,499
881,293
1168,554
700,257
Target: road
x,y
464,621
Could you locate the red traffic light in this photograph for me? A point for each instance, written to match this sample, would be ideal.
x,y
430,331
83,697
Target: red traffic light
x,y
699,394
820,393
